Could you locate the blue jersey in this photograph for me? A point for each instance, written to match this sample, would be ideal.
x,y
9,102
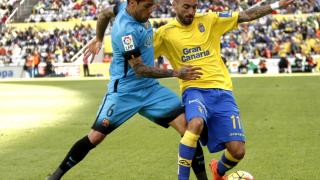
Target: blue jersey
x,y
129,35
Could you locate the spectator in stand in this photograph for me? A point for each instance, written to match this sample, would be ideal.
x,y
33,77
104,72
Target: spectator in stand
x,y
86,71
36,59
3,51
39,8
284,65
107,58
298,63
311,64
29,64
49,68
316,47
160,63
4,14
252,67
243,67
3,54
16,52
263,66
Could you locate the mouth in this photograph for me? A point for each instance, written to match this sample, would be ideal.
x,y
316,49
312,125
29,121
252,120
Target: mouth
x,y
189,17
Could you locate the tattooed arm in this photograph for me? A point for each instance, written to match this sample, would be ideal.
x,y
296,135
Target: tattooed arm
x,y
104,18
185,73
103,21
260,11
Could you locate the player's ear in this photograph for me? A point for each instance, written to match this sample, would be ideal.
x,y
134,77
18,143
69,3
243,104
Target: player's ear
x,y
174,4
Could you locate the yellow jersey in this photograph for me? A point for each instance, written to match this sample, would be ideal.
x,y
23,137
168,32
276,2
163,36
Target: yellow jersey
x,y
198,44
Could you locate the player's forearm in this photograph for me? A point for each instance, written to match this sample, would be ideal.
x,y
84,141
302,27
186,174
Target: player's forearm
x,y
104,18
254,13
153,72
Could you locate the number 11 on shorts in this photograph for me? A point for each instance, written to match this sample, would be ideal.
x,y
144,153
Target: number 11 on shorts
x,y
236,121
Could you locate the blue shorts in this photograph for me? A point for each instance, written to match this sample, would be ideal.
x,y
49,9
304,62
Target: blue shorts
x,y
220,112
156,103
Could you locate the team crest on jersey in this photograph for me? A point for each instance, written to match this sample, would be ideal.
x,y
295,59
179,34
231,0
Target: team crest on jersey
x,y
128,43
201,27
105,122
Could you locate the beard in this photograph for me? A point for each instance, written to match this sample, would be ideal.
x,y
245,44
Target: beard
x,y
185,20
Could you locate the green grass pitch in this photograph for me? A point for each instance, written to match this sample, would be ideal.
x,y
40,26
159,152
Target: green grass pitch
x,y
40,120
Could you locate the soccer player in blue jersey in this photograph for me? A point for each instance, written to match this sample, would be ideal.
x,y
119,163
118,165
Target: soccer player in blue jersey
x,y
132,88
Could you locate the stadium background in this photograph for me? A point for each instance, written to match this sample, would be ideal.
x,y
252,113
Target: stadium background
x,y
42,115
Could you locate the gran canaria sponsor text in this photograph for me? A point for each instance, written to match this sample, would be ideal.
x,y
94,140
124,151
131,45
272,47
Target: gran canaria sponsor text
x,y
193,53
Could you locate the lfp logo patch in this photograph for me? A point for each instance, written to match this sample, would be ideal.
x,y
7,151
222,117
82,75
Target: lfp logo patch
x,y
128,43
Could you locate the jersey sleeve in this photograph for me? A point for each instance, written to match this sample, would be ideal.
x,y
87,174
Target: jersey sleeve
x,y
129,45
157,43
225,21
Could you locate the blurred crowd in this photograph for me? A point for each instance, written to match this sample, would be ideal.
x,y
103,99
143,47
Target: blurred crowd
x,y
298,7
265,38
269,38
6,8
64,10
17,46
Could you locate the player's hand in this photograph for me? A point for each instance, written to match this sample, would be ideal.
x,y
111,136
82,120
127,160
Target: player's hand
x,y
285,3
189,72
92,49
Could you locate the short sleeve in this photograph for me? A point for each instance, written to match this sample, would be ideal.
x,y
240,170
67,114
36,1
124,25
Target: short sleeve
x,y
157,43
226,21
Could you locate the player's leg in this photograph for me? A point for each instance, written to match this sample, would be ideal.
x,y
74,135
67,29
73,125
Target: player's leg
x,y
112,113
188,147
195,115
198,163
232,155
225,131
77,152
164,107
236,149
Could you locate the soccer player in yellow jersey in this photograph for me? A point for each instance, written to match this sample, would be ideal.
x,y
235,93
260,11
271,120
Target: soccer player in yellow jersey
x,y
211,110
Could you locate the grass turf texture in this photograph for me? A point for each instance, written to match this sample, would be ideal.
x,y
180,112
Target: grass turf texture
x,y
40,120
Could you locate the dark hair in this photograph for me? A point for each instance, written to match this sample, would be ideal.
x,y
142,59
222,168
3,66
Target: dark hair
x,y
138,1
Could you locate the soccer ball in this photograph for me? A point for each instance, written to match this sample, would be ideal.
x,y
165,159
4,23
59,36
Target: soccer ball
x,y
240,175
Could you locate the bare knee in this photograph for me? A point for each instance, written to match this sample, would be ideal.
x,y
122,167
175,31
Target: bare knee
x,y
196,125
179,124
236,149
96,137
